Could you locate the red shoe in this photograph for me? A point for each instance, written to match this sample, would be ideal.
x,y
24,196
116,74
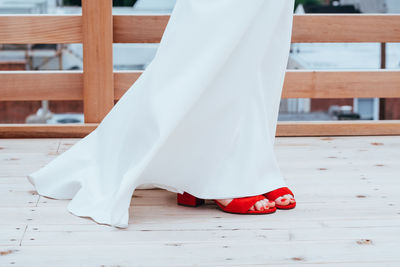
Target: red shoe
x,y
273,195
237,205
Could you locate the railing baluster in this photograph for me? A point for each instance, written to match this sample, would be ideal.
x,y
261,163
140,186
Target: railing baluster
x,y
98,84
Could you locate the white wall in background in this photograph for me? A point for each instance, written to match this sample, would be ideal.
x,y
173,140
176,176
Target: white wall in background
x,y
393,6
367,6
155,5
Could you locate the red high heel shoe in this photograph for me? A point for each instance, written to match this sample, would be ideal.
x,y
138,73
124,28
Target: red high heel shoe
x,y
237,205
273,195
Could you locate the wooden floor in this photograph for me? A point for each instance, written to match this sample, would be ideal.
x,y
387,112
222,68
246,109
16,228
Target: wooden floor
x,y
348,214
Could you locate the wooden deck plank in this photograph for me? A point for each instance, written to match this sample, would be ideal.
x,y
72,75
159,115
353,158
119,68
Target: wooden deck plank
x,y
40,236
205,254
29,153
11,235
348,214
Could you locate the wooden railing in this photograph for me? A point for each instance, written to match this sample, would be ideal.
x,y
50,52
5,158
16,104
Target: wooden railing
x,y
98,85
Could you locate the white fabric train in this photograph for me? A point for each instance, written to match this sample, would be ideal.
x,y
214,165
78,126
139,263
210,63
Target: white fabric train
x,y
201,119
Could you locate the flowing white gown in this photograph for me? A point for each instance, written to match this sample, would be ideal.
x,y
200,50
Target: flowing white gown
x,y
201,119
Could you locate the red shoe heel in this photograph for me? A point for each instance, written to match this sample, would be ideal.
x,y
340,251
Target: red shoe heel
x,y
187,199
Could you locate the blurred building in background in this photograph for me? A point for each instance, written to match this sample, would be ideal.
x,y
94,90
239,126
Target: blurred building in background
x,y
65,57
359,56
374,6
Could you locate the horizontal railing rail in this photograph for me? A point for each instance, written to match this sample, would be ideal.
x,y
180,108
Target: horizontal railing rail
x,y
68,85
284,129
98,85
309,28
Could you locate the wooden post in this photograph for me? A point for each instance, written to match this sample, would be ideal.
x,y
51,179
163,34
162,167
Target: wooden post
x,y
98,85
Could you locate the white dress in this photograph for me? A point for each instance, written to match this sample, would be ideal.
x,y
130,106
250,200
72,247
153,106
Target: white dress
x,y
201,119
